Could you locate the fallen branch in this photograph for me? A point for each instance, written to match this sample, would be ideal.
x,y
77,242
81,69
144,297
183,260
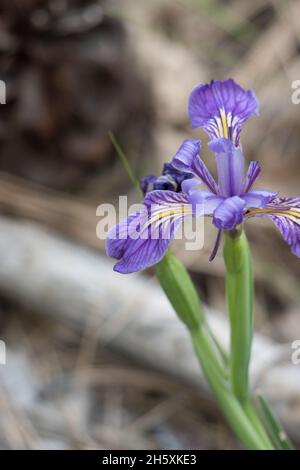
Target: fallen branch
x,y
70,283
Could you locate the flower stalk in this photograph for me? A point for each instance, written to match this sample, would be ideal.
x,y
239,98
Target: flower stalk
x,y
239,293
231,407
181,293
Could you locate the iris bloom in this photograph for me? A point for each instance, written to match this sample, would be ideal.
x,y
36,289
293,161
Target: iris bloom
x,y
187,188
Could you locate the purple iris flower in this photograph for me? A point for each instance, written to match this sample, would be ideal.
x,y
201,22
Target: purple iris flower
x,y
187,188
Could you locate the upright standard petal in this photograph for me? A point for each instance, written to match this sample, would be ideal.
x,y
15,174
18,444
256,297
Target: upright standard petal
x,y
143,238
285,214
187,159
229,213
230,165
221,108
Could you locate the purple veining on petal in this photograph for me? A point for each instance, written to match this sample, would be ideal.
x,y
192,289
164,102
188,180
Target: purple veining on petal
x,y
253,173
185,155
118,236
164,198
200,169
143,238
285,214
221,108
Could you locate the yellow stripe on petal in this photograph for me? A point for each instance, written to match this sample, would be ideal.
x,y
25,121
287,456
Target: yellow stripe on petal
x,y
168,213
224,123
285,212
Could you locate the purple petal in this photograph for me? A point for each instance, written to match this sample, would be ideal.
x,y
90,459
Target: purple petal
x,y
118,236
203,202
258,199
221,108
165,198
253,173
229,213
285,214
143,238
230,165
187,159
186,154
201,170
189,184
141,256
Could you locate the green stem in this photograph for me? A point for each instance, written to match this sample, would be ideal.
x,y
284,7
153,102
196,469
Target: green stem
x,y
232,409
239,290
180,290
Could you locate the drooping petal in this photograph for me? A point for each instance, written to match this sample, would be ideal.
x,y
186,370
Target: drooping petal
x,y
187,159
253,173
285,214
119,235
141,255
143,238
221,108
229,213
258,199
230,165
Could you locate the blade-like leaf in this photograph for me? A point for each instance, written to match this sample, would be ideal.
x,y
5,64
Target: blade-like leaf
x,y
276,431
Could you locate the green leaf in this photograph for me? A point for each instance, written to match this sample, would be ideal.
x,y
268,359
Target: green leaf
x,y
180,290
278,435
125,162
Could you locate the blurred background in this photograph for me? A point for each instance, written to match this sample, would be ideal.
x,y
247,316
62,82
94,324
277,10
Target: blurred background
x,y
80,372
